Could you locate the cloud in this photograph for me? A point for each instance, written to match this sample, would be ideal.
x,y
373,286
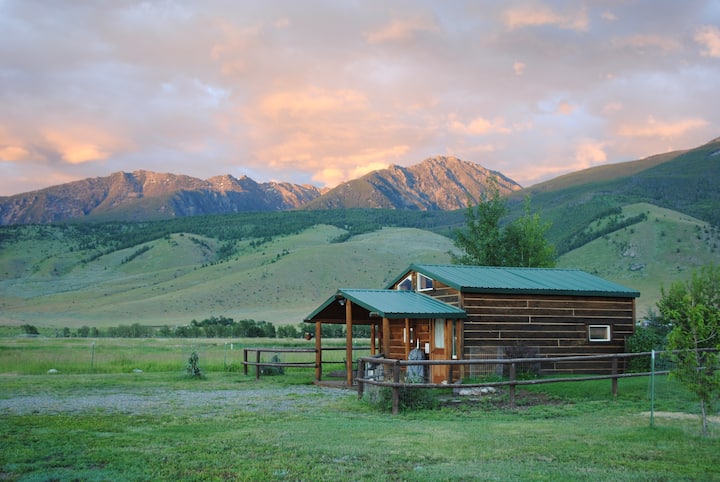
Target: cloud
x,y
77,144
357,165
534,16
663,43
590,153
401,30
565,108
609,16
479,126
709,37
312,101
13,153
612,108
653,128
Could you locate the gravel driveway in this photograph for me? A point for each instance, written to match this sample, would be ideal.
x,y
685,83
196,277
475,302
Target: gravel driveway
x,y
212,402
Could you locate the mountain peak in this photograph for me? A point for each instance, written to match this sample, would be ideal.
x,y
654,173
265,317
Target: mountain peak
x,y
437,183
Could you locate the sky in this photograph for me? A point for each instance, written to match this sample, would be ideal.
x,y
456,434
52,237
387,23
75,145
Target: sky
x,y
320,92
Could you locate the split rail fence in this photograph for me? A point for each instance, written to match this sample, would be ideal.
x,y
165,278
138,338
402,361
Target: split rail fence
x,y
259,364
393,369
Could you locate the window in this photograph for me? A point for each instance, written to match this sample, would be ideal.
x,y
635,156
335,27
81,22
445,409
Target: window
x,y
424,283
406,284
439,333
598,332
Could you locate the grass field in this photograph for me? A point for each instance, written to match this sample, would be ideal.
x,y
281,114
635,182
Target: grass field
x,y
228,426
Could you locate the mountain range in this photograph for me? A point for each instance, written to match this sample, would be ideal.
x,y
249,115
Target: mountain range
x,y
685,181
438,183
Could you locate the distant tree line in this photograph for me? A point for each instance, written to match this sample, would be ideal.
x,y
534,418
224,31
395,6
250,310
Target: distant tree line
x,y
213,327
589,234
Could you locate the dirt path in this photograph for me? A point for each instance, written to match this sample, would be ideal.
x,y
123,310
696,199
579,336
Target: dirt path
x,y
144,402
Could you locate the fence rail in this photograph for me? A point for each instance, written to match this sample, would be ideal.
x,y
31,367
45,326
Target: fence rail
x,y
259,364
396,383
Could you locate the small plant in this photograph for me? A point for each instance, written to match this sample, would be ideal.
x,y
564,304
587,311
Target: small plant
x,y
274,370
193,369
410,399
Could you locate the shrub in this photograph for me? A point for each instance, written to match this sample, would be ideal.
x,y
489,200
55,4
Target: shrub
x,y
193,368
410,398
274,370
523,371
29,330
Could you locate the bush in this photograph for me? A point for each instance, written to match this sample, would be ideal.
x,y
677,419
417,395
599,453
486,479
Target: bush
x,y
410,398
274,370
29,330
193,368
523,371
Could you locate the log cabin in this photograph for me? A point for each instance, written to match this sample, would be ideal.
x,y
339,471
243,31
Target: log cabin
x,y
455,312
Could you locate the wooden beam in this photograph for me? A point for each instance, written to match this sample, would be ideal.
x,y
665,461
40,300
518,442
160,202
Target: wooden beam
x,y
386,337
318,351
372,339
407,338
348,343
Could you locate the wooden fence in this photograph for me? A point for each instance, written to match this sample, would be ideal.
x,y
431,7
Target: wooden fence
x,y
259,364
393,368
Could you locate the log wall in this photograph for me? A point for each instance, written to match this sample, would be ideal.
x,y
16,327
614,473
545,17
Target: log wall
x,y
543,325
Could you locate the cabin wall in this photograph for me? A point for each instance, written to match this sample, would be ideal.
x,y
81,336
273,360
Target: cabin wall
x,y
507,325
551,326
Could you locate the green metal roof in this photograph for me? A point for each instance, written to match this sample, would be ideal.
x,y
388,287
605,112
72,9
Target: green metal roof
x,y
486,279
387,304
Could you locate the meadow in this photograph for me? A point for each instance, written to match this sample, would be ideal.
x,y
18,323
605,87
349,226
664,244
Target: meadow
x,y
228,426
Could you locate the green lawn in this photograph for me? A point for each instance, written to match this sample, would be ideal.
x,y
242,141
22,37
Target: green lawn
x,y
568,431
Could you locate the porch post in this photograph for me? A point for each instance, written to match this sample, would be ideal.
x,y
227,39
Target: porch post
x,y
348,343
372,339
318,351
407,338
386,337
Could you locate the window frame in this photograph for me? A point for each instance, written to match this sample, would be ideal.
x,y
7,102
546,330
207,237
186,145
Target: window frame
x,y
422,282
608,333
400,284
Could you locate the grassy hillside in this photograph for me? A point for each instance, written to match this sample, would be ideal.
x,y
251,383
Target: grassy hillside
x,y
246,268
174,279
685,181
664,247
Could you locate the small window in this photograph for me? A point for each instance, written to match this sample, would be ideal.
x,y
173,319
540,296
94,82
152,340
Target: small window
x,y
424,283
599,333
406,284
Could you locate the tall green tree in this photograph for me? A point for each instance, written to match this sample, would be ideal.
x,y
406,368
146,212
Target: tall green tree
x,y
693,308
485,242
482,242
525,243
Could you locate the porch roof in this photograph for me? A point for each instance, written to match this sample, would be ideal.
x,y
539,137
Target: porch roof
x,y
369,305
487,279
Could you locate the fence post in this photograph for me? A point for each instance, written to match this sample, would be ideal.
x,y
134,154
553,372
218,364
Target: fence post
x,y
245,370
614,379
360,375
512,385
257,365
396,388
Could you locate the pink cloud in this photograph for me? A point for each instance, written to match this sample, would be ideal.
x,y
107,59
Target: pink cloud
x,y
654,128
400,30
663,43
479,126
533,16
709,37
